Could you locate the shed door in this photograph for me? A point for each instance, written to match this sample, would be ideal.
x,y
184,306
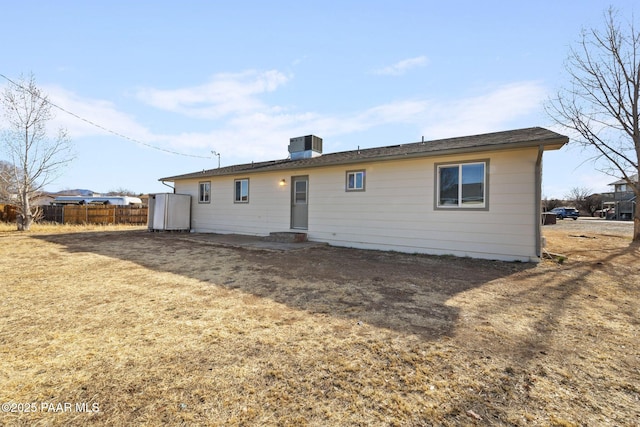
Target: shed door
x,y
299,202
160,212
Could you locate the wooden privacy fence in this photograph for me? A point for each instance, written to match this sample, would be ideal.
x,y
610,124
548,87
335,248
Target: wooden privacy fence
x,y
96,214
8,213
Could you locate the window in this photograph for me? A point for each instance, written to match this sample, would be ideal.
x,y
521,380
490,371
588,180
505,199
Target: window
x,y
355,180
241,190
300,192
461,185
204,192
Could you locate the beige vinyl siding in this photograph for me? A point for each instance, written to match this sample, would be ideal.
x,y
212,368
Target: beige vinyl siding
x,y
267,210
395,212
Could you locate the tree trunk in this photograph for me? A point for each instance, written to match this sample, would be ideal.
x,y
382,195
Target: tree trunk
x,y
25,218
28,219
636,213
23,222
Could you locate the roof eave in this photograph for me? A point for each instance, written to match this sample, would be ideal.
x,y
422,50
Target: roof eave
x,y
547,144
555,144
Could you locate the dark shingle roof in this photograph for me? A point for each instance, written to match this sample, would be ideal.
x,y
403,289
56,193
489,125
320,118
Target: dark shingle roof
x,y
633,178
529,137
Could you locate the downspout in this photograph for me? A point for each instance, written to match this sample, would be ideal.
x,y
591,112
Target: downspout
x,y
173,188
538,203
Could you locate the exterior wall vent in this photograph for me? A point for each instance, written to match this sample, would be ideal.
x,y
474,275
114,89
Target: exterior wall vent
x,y
304,147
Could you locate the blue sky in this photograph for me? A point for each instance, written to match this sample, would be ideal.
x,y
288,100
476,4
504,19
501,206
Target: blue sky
x,y
241,78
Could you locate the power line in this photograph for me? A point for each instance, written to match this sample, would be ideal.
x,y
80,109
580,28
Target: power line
x,y
94,124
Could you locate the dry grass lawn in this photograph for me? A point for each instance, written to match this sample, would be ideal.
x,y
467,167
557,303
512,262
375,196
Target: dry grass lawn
x,y
118,327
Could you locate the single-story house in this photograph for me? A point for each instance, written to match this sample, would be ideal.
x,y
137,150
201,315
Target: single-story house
x,y
477,196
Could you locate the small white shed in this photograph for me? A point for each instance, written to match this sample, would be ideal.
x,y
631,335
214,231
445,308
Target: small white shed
x,y
169,211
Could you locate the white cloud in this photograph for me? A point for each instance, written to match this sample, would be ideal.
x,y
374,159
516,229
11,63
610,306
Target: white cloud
x,y
252,129
265,134
488,112
84,117
402,67
395,112
225,94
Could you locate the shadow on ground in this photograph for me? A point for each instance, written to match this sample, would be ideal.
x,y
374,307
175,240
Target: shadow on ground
x,y
402,292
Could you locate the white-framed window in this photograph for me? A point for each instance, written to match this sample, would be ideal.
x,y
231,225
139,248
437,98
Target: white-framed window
x,y
355,180
301,192
204,192
241,190
462,185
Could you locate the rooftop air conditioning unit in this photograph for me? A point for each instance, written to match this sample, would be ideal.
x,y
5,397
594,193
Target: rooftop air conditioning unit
x,y
304,147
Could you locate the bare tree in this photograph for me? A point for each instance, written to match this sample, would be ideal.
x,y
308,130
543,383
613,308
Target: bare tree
x,y
593,203
584,199
35,158
577,195
600,106
549,204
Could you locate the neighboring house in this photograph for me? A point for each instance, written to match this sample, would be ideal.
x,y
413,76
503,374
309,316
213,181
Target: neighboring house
x,y
623,200
476,196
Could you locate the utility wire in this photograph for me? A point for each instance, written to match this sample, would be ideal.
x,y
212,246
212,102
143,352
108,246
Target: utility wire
x,y
118,134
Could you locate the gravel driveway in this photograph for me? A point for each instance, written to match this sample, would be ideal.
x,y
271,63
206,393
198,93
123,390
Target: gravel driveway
x,y
593,225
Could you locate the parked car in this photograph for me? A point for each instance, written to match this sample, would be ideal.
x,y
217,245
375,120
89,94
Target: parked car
x,y
563,213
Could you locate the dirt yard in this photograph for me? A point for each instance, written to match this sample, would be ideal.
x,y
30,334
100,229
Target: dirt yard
x,y
119,327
